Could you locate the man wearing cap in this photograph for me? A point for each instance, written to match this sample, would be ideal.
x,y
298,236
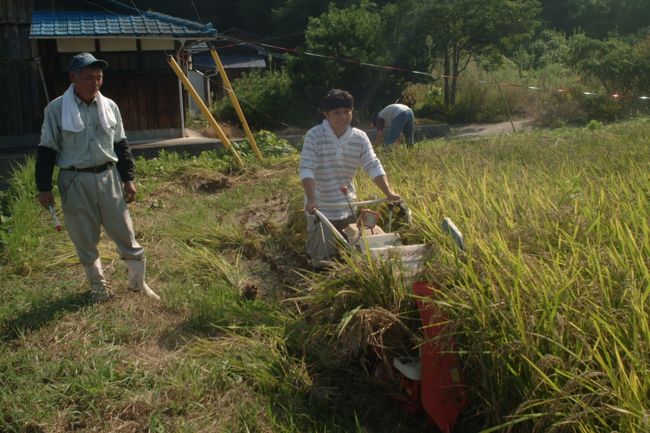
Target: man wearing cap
x,y
83,135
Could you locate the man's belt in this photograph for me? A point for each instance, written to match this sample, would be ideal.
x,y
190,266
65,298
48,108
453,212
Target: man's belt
x,y
95,169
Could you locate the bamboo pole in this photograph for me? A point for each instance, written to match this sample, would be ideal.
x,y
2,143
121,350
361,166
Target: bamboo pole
x,y
507,109
234,101
204,109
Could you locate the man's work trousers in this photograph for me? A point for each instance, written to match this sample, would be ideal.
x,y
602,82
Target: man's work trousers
x,y
404,122
92,200
321,242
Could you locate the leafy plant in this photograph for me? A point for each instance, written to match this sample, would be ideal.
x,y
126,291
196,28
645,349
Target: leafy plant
x,y
266,98
269,144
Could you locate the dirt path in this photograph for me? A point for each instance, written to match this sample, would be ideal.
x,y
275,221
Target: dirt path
x,y
488,129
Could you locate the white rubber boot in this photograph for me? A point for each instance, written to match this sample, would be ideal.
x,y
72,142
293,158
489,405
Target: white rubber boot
x,y
95,274
136,281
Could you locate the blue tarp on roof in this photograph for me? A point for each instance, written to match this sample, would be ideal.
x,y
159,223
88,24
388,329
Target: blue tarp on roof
x,y
71,24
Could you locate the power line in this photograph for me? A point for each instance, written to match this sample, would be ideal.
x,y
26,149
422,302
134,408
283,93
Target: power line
x,y
93,4
339,59
257,41
196,11
136,8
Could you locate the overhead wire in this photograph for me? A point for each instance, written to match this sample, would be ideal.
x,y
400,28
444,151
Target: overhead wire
x,y
136,8
401,69
240,43
261,43
339,59
196,11
97,6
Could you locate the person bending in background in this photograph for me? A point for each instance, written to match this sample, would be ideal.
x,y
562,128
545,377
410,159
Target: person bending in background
x,y
332,153
397,119
83,135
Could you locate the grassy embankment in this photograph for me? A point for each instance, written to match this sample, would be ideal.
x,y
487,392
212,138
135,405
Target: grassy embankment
x,y
549,305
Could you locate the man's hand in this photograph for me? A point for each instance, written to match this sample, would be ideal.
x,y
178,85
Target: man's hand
x,y
46,198
310,206
382,183
129,191
391,196
309,185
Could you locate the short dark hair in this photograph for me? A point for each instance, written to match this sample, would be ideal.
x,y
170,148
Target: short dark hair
x,y
374,118
336,98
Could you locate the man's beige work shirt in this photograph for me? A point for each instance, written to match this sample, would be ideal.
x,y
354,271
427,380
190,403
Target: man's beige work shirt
x,y
87,148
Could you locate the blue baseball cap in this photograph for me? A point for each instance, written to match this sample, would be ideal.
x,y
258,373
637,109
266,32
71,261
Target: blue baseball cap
x,y
83,60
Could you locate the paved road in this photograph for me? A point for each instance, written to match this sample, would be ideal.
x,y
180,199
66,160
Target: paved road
x,y
485,129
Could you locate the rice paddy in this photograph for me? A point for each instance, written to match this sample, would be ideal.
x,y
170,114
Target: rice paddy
x,y
548,305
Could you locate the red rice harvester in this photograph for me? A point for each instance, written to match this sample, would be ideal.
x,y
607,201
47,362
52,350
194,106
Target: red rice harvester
x,y
433,383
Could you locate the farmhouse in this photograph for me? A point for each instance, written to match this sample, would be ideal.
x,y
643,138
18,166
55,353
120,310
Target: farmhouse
x,y
45,35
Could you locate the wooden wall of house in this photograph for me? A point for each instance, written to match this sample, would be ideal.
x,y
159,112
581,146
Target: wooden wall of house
x,y
147,99
21,91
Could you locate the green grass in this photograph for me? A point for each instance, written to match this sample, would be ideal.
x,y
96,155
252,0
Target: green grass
x,y
548,304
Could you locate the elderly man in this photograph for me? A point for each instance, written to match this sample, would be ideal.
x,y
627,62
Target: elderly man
x,y
83,135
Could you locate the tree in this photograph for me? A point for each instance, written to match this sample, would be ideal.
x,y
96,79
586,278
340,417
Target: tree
x,y
596,18
642,54
338,42
291,17
547,48
620,66
462,30
255,15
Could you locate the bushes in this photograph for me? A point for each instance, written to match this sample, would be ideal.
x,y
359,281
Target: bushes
x,y
266,98
479,98
557,97
574,107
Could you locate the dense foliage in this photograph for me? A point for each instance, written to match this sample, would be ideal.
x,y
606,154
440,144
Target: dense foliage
x,y
581,47
267,99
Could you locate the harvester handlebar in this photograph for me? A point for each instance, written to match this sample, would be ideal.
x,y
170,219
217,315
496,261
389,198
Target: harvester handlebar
x,y
356,203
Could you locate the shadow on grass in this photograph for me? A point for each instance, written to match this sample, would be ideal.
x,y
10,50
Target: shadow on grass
x,y
41,314
177,337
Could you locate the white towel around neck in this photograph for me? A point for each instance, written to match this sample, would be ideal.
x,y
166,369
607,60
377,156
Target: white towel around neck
x,y
71,117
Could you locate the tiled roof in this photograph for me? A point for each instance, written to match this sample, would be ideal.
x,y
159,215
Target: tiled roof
x,y
71,24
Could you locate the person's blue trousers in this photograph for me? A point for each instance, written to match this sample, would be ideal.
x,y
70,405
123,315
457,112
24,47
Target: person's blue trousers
x,y
402,123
